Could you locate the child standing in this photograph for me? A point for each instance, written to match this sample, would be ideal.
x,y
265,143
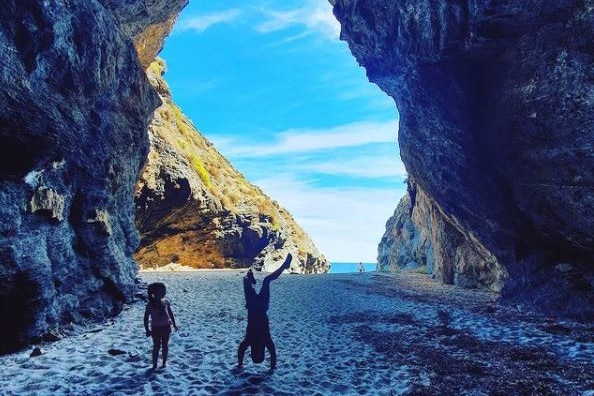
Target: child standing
x,y
158,309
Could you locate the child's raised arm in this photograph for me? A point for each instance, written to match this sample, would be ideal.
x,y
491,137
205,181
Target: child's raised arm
x,y
280,269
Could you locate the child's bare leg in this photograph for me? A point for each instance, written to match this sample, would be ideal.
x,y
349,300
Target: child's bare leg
x,y
165,343
250,277
156,347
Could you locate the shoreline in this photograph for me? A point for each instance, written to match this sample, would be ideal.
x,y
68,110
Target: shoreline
x,y
175,267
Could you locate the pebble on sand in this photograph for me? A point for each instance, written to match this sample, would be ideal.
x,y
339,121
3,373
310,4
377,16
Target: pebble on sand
x,y
116,352
36,352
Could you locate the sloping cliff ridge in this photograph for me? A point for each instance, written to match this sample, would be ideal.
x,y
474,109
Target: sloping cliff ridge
x,y
195,209
74,107
496,133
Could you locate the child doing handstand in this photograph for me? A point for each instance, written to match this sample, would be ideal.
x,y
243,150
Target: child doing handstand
x,y
257,333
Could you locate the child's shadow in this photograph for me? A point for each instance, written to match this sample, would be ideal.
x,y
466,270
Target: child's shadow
x,y
151,373
246,382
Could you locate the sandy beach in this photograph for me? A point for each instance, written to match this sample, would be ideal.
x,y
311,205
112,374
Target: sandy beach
x,y
348,334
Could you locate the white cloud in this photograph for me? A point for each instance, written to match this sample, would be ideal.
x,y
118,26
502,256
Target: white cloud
x,y
201,23
346,223
366,166
341,221
278,20
314,16
308,139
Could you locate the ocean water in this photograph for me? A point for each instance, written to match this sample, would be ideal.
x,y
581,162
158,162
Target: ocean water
x,y
343,268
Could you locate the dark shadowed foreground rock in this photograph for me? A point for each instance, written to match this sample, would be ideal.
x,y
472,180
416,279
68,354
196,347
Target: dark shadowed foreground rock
x,y
74,107
497,133
195,209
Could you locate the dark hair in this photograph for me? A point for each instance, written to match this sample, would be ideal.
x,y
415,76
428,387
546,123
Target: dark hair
x,y
257,353
156,291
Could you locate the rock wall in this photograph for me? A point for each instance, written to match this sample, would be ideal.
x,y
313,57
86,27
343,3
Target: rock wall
x,y
497,132
74,108
420,236
195,209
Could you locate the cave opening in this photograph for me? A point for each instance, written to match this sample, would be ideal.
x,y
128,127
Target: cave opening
x,y
280,96
18,154
19,302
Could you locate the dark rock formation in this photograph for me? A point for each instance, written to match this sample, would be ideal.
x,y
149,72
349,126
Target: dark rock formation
x,y
195,209
74,107
497,133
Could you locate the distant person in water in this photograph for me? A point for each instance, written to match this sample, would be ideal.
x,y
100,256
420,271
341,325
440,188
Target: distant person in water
x,y
361,268
158,309
257,333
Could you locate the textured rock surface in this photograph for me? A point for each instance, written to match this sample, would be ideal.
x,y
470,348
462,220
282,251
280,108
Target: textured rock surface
x,y
496,131
74,106
420,235
148,22
195,209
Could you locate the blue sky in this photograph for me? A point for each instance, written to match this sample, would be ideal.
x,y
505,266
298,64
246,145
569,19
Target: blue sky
x,y
271,85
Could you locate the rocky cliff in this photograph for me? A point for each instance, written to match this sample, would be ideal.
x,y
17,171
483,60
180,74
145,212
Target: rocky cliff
x,y
420,236
195,209
497,134
74,107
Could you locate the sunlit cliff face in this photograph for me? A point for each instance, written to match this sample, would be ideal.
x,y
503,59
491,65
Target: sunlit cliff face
x,y
193,208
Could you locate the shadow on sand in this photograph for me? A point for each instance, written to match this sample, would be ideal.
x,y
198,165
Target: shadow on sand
x,y
246,382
